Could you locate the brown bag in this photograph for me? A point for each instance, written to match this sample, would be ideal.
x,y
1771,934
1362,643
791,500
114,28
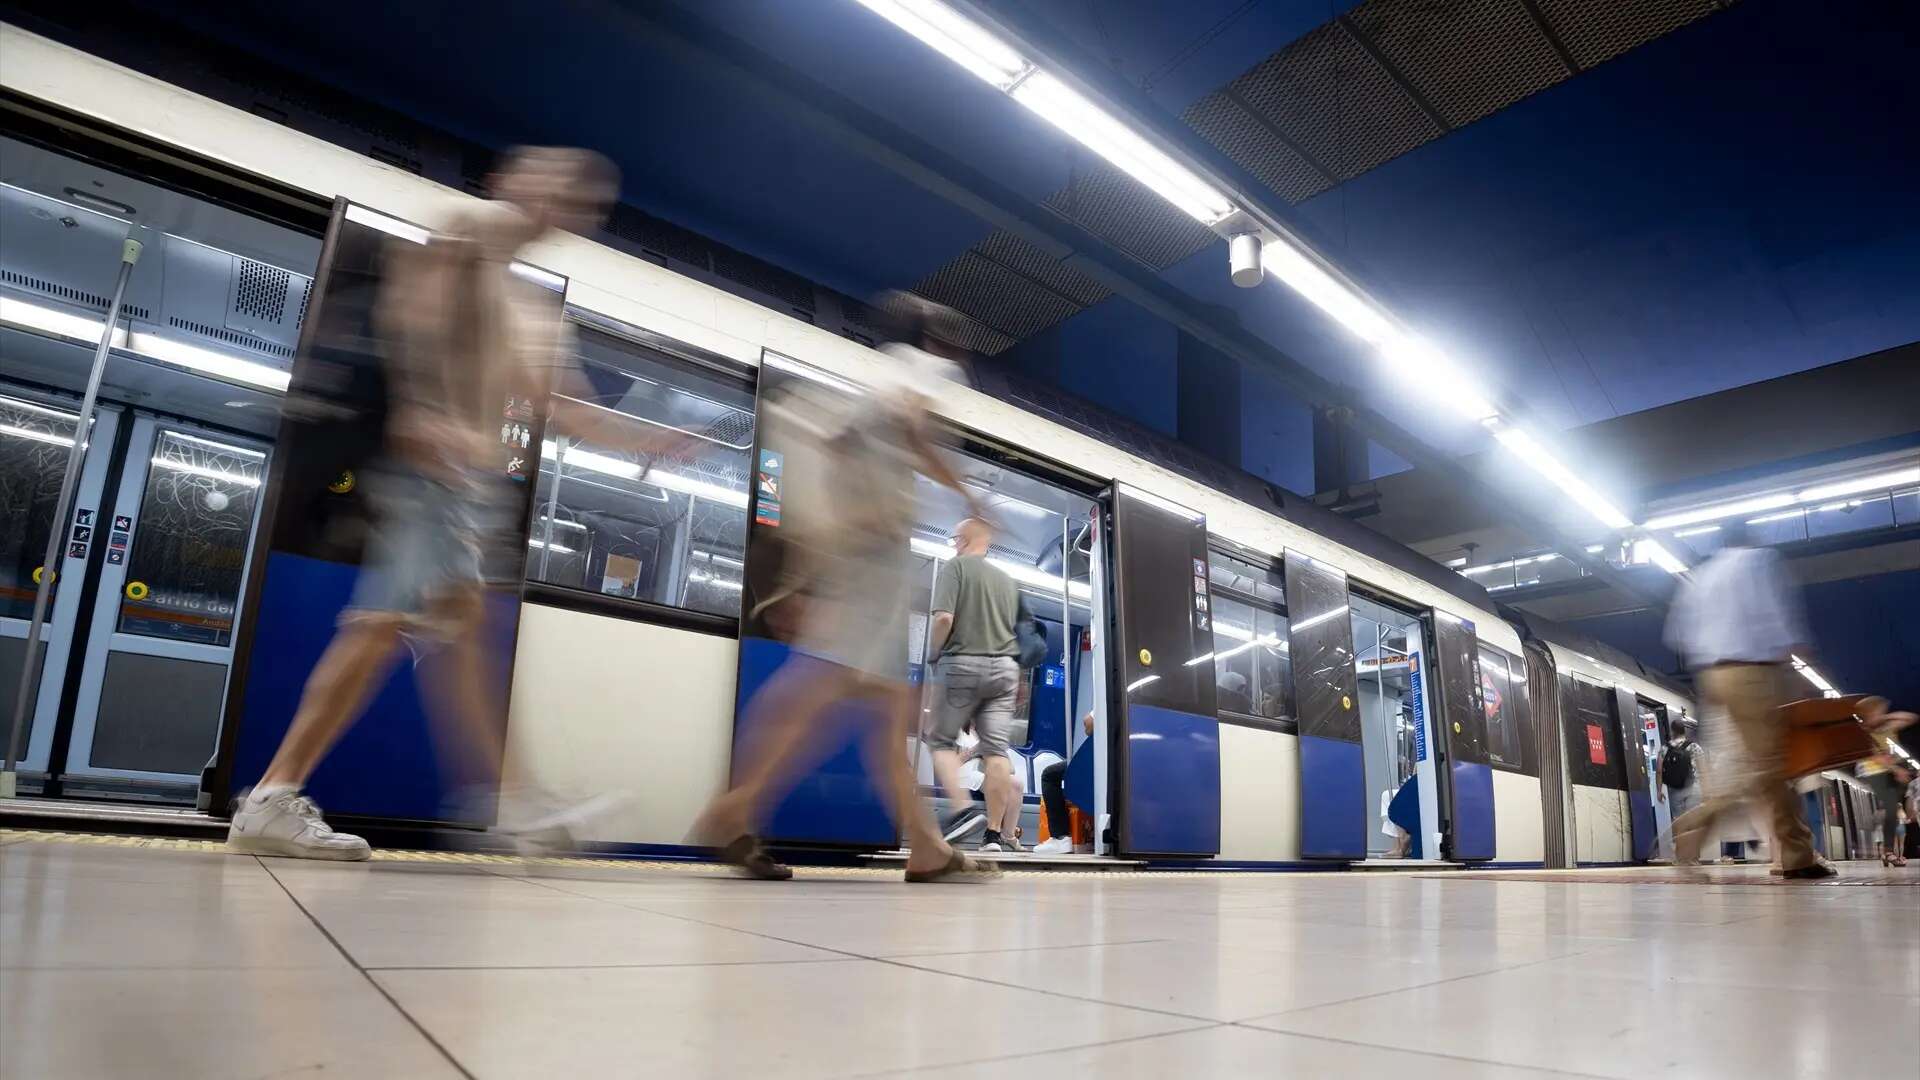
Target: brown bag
x,y
1829,733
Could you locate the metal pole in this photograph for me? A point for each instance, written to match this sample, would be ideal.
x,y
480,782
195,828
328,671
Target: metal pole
x,y
553,501
57,534
1066,628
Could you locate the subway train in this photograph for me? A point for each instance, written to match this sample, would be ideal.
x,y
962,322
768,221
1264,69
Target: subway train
x,y
1270,684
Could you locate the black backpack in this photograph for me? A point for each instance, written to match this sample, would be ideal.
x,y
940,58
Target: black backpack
x,y
1030,637
1676,768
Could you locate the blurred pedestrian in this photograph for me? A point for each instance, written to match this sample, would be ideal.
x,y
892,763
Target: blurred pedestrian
x,y
460,335
1737,621
846,577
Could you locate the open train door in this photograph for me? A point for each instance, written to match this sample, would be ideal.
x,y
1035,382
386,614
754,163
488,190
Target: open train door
x,y
313,538
1463,730
1643,827
1333,776
837,802
1167,769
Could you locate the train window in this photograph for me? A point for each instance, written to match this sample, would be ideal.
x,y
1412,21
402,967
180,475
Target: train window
x,y
1503,692
670,531
183,577
1252,670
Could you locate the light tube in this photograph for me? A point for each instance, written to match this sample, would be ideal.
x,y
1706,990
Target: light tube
x,y
556,546
1754,505
1537,458
1306,276
627,470
1101,132
392,226
59,323
1859,484
37,436
202,470
1026,575
209,362
1438,377
955,37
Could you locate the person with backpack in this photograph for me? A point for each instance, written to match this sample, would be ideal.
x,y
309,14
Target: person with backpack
x,y
976,632
1680,771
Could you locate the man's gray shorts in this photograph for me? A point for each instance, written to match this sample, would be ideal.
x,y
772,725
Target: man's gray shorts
x,y
980,689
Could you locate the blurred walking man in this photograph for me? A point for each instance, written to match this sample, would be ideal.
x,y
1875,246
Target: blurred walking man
x,y
1738,623
460,334
845,590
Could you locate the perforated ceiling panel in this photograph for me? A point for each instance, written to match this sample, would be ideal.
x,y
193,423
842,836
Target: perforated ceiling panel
x,y
1220,120
1468,58
1336,101
1595,32
1349,96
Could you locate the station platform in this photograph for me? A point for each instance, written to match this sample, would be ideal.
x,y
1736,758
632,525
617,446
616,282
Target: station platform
x,y
167,957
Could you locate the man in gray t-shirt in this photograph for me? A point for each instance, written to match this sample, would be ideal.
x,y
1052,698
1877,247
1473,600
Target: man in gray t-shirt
x,y
974,608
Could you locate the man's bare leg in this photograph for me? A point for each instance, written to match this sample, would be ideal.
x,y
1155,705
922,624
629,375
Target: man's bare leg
x,y
465,714
359,656
997,780
946,773
885,751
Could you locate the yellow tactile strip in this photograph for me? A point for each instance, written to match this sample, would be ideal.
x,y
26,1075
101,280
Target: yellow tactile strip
x,y
464,858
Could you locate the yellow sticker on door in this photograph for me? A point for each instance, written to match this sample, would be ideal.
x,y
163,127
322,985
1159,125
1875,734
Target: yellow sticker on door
x,y
1146,658
137,590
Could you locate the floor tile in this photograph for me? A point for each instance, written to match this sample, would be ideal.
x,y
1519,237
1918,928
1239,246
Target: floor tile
x,y
385,918
778,1020
1564,1017
1229,1052
206,1025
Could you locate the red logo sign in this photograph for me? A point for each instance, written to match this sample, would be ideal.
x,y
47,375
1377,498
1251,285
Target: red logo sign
x,y
1596,745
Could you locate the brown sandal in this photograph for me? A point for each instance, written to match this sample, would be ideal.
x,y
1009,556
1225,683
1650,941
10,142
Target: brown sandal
x,y
746,855
959,869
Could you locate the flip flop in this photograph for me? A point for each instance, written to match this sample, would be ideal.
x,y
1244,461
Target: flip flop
x,y
746,855
959,869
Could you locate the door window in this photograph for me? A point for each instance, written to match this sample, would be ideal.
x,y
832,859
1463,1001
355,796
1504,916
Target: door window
x,y
34,444
183,577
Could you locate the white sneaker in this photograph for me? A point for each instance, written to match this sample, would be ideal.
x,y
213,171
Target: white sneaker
x,y
288,823
1057,845
540,824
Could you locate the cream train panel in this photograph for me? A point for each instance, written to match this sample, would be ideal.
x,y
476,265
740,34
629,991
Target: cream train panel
x,y
1600,825
631,708
1518,832
639,292
1259,795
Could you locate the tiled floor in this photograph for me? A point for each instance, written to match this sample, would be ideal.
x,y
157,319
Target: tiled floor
x,y
172,959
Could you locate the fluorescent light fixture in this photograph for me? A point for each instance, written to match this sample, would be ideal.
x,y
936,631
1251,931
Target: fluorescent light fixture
x,y
1320,618
955,37
1111,138
1657,554
1138,683
202,470
392,226
1536,457
1859,484
721,559
546,279
13,432
1700,531
1818,680
208,362
1753,505
1438,378
1784,515
556,546
717,582
1307,276
58,323
1168,505
225,448
663,478
1026,575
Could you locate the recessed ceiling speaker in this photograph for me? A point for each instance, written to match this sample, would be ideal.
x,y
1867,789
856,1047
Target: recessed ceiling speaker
x,y
1243,256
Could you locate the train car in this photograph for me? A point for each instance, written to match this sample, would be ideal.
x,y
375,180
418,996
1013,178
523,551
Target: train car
x,y
1270,684
1605,721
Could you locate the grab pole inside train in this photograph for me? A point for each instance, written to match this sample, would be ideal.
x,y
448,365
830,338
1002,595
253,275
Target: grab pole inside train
x,y
56,536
